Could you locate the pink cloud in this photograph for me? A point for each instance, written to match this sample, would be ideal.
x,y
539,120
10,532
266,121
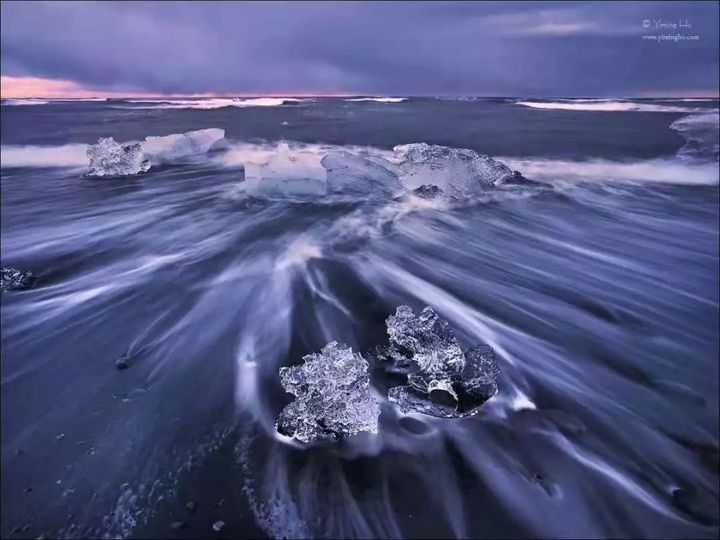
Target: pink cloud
x,y
38,87
21,87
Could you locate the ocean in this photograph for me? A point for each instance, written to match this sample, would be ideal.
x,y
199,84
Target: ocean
x,y
596,285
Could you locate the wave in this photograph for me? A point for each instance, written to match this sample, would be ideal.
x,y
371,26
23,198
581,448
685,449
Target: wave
x,y
700,132
49,101
658,170
15,102
703,100
301,161
66,155
283,157
211,103
80,100
379,99
609,106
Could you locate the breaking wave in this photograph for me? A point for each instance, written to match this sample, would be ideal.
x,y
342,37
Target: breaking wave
x,y
65,155
211,103
298,160
609,106
660,170
14,102
701,134
379,99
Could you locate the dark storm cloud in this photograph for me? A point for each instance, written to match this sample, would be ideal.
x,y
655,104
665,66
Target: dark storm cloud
x,y
537,48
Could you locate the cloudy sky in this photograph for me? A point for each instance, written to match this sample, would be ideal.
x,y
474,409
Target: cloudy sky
x,y
379,48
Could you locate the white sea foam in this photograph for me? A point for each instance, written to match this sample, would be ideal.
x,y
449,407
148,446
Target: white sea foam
x,y
700,132
711,119
696,99
70,100
66,155
609,106
210,103
379,99
47,101
166,149
663,170
24,102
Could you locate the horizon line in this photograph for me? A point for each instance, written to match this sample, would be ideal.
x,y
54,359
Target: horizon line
x,y
406,96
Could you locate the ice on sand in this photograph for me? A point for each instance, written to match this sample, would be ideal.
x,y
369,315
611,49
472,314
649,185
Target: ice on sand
x,y
333,396
442,380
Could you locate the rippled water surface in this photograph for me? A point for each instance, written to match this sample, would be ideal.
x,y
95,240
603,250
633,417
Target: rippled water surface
x,y
597,288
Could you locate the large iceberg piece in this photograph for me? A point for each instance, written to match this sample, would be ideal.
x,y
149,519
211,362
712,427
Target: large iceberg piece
x,y
457,170
286,171
348,173
442,380
183,145
333,394
109,158
288,187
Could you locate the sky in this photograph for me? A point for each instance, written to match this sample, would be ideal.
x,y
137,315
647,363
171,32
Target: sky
x,y
533,49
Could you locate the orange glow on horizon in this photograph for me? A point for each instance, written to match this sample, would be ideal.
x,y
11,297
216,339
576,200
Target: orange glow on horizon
x,y
38,87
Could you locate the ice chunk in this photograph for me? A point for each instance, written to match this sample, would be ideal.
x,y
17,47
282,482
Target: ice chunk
x,y
285,171
290,186
109,158
701,135
453,169
348,173
182,145
14,279
442,380
333,397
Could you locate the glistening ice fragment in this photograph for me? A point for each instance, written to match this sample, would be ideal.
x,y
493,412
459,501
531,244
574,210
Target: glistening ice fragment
x,y
442,380
348,173
13,279
169,148
109,158
333,396
460,171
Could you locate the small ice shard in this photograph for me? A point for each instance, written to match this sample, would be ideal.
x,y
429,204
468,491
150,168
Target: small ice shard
x,y
442,380
333,396
183,145
453,169
14,279
348,173
109,158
